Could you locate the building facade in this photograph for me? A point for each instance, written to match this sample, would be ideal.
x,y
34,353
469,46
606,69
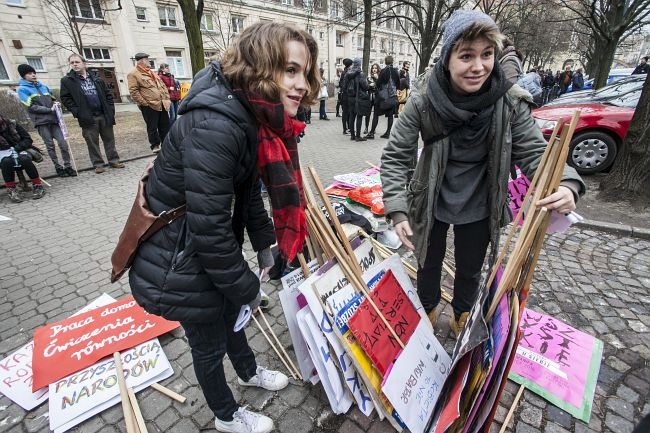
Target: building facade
x,y
42,33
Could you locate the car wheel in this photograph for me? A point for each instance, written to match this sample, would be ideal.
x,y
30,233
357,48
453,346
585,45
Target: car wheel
x,y
592,152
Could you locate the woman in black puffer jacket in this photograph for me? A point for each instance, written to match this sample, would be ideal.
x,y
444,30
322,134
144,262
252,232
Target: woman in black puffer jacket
x,y
236,126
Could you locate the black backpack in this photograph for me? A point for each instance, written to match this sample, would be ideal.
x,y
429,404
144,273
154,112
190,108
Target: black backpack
x,y
351,87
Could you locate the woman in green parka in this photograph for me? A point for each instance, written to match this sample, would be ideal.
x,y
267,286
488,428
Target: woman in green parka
x,y
475,125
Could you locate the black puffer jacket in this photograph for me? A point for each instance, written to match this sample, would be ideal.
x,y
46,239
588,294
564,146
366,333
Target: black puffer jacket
x,y
188,269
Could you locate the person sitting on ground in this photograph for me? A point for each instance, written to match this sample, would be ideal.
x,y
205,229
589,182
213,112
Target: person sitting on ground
x,y
237,125
14,140
474,124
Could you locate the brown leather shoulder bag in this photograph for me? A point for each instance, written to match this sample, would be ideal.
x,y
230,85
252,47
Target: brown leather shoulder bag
x,y
140,226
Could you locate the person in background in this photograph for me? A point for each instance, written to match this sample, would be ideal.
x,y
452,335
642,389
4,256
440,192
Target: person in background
x,y
388,78
173,88
459,111
375,69
41,107
237,125
14,140
343,96
642,67
578,80
355,85
90,101
510,60
339,71
565,80
406,65
322,114
150,93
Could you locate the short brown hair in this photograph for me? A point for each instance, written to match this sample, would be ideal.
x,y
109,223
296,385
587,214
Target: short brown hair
x,y
257,58
481,30
76,55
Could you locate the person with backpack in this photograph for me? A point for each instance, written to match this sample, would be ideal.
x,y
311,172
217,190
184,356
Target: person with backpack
x,y
355,85
386,97
475,124
533,84
548,83
343,96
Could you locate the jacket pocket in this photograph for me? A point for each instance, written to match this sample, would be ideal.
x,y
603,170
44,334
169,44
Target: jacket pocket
x,y
416,195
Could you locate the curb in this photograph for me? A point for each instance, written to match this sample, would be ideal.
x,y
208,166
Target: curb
x,y
617,229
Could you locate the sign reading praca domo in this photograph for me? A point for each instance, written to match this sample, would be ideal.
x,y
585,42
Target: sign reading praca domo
x,y
72,344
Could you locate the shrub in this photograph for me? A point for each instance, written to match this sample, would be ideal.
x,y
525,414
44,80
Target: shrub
x,y
11,108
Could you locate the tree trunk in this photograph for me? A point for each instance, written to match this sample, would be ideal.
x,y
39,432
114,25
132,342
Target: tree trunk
x,y
367,34
606,49
629,179
193,31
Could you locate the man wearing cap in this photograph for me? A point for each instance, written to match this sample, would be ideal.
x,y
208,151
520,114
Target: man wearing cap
x,y
88,99
41,107
152,97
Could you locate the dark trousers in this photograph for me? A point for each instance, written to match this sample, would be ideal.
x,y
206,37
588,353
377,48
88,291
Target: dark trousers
x,y
375,119
52,132
8,165
173,111
344,115
92,134
354,121
157,124
209,343
338,107
321,110
470,245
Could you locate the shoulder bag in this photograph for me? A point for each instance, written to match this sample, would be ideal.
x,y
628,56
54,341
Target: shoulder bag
x,y
140,226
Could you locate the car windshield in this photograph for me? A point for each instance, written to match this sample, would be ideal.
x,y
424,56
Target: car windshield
x,y
623,86
629,99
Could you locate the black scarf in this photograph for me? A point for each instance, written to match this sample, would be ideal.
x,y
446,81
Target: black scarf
x,y
466,117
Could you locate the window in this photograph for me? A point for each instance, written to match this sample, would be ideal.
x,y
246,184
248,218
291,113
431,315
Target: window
x,y
401,47
36,63
382,46
389,23
372,44
392,47
207,22
141,13
360,42
335,9
321,35
287,2
339,39
237,24
97,54
167,16
308,4
90,9
13,3
3,71
175,61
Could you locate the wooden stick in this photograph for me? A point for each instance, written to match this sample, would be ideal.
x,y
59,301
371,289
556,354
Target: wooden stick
x,y
124,395
168,392
303,265
372,165
142,427
310,247
273,346
313,225
512,409
275,337
45,182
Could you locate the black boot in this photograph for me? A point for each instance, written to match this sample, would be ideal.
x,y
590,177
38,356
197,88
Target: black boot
x,y
61,172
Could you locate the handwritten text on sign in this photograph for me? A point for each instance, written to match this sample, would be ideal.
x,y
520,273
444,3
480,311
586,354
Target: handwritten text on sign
x,y
371,331
75,343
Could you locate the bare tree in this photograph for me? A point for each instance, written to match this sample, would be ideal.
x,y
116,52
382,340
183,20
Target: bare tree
x,y
192,14
630,177
69,18
610,22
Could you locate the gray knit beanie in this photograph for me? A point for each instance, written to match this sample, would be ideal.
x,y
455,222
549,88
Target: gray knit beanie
x,y
457,23
356,63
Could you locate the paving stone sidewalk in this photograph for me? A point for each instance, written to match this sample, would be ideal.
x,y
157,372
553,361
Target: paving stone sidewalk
x,y
57,259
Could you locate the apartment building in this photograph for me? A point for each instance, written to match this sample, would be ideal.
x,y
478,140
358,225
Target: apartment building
x,y
42,33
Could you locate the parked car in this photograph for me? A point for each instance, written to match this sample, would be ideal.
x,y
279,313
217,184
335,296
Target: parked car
x,y
619,87
614,75
600,132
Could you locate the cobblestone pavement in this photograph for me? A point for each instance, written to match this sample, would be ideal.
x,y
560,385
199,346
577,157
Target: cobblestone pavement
x,y
56,260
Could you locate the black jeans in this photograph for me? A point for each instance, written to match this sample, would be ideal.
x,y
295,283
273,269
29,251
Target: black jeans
x,y
354,121
9,171
375,119
209,343
344,115
321,110
157,124
470,245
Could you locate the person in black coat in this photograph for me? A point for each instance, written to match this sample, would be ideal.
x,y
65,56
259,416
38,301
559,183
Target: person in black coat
x,y
343,96
14,141
91,103
642,67
235,121
355,85
388,78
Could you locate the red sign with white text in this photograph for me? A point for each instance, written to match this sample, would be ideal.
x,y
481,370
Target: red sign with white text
x,y
72,344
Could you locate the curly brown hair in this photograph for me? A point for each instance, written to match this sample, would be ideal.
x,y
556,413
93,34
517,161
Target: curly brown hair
x,y
257,59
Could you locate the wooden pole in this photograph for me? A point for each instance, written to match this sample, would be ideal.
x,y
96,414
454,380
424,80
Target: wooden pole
x,y
142,427
124,395
168,392
273,346
512,409
275,337
303,265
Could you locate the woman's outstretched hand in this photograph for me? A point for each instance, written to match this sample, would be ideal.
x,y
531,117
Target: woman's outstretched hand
x,y
404,232
561,201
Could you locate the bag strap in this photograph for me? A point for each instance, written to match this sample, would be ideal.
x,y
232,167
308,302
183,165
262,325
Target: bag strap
x,y
168,216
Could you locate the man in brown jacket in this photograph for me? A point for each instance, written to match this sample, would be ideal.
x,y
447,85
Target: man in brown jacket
x,y
152,97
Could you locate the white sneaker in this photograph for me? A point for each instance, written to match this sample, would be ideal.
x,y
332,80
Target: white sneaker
x,y
267,379
245,421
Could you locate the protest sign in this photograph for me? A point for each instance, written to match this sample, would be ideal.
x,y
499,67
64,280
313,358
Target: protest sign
x,y
373,334
558,362
85,393
16,369
414,382
72,344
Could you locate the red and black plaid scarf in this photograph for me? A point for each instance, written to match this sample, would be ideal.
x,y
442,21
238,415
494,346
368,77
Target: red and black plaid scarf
x,y
279,168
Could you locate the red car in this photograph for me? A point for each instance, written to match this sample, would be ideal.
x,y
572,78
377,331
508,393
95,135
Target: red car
x,y
600,131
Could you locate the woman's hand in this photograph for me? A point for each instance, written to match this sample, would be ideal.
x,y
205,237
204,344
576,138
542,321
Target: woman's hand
x,y
404,232
561,201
